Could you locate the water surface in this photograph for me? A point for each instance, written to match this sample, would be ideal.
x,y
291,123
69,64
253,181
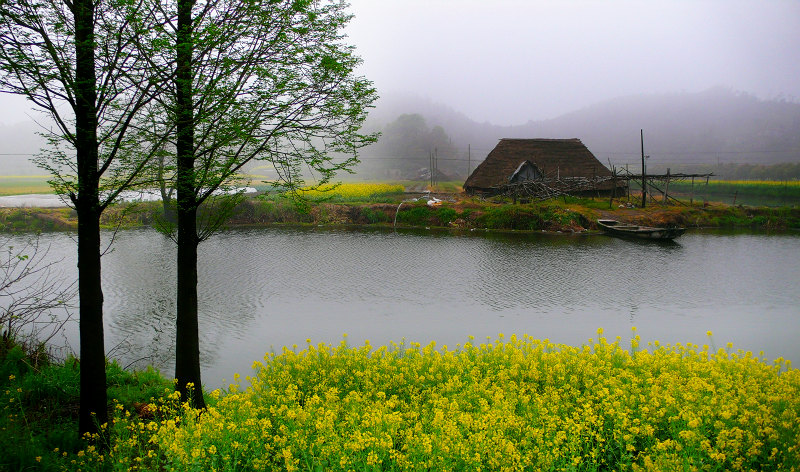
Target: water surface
x,y
262,289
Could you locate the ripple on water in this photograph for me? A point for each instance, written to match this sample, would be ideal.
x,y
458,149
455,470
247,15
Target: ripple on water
x,y
270,287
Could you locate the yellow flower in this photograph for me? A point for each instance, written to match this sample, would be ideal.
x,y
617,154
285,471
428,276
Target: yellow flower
x,y
363,407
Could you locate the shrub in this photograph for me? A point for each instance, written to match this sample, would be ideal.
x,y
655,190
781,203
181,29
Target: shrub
x,y
374,216
445,215
419,215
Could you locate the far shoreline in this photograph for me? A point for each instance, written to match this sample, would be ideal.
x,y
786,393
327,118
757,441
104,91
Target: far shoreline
x,y
575,216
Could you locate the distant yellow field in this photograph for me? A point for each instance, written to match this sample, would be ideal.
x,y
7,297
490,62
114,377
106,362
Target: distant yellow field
x,y
353,191
772,183
24,184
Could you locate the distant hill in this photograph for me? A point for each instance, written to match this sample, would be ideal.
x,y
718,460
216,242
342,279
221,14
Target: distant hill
x,y
706,127
717,126
713,127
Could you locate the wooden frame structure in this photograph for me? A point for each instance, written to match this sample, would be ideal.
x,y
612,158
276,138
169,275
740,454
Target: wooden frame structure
x,y
658,182
545,188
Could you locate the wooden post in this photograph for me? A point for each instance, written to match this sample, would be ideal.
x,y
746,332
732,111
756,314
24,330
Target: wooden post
x,y
736,194
666,189
469,159
435,164
430,167
644,177
613,187
691,196
628,182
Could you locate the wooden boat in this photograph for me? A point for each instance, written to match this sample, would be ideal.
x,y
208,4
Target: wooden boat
x,y
616,228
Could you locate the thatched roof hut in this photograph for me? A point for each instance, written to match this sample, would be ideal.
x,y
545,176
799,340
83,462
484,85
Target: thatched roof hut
x,y
513,160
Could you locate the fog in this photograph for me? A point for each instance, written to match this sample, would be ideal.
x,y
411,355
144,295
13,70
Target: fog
x,y
511,62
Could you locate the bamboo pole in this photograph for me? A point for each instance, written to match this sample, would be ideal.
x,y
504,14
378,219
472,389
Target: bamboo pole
x,y
644,177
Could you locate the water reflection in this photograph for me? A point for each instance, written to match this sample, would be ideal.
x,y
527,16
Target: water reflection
x,y
261,289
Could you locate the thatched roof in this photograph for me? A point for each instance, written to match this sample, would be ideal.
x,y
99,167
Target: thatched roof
x,y
553,157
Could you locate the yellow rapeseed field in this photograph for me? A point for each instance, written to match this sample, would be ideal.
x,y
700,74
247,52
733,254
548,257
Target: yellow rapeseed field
x,y
505,404
352,191
771,183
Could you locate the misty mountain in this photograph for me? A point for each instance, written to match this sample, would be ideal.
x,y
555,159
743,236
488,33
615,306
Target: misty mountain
x,y
716,126
713,127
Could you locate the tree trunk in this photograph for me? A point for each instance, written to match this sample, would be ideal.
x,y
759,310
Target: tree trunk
x,y
93,401
93,409
187,343
166,194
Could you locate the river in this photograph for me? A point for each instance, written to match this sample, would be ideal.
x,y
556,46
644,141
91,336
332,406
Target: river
x,y
262,289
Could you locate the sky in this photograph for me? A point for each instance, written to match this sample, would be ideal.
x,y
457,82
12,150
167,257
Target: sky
x,y
510,61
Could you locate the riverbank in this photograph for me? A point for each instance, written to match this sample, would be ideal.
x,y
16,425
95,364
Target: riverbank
x,y
498,404
571,215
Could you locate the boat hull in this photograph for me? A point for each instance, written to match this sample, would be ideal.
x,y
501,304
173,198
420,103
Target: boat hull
x,y
615,228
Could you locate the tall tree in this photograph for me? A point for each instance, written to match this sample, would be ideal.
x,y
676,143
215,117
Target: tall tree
x,y
75,61
252,80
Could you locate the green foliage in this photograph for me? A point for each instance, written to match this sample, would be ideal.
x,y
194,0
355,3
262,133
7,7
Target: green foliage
x,y
414,215
756,218
19,220
594,203
445,215
270,209
39,406
509,217
373,216
39,409
14,361
130,387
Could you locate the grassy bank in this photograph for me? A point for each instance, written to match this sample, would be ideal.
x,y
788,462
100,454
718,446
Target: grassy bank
x,y
40,397
66,219
503,404
563,215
